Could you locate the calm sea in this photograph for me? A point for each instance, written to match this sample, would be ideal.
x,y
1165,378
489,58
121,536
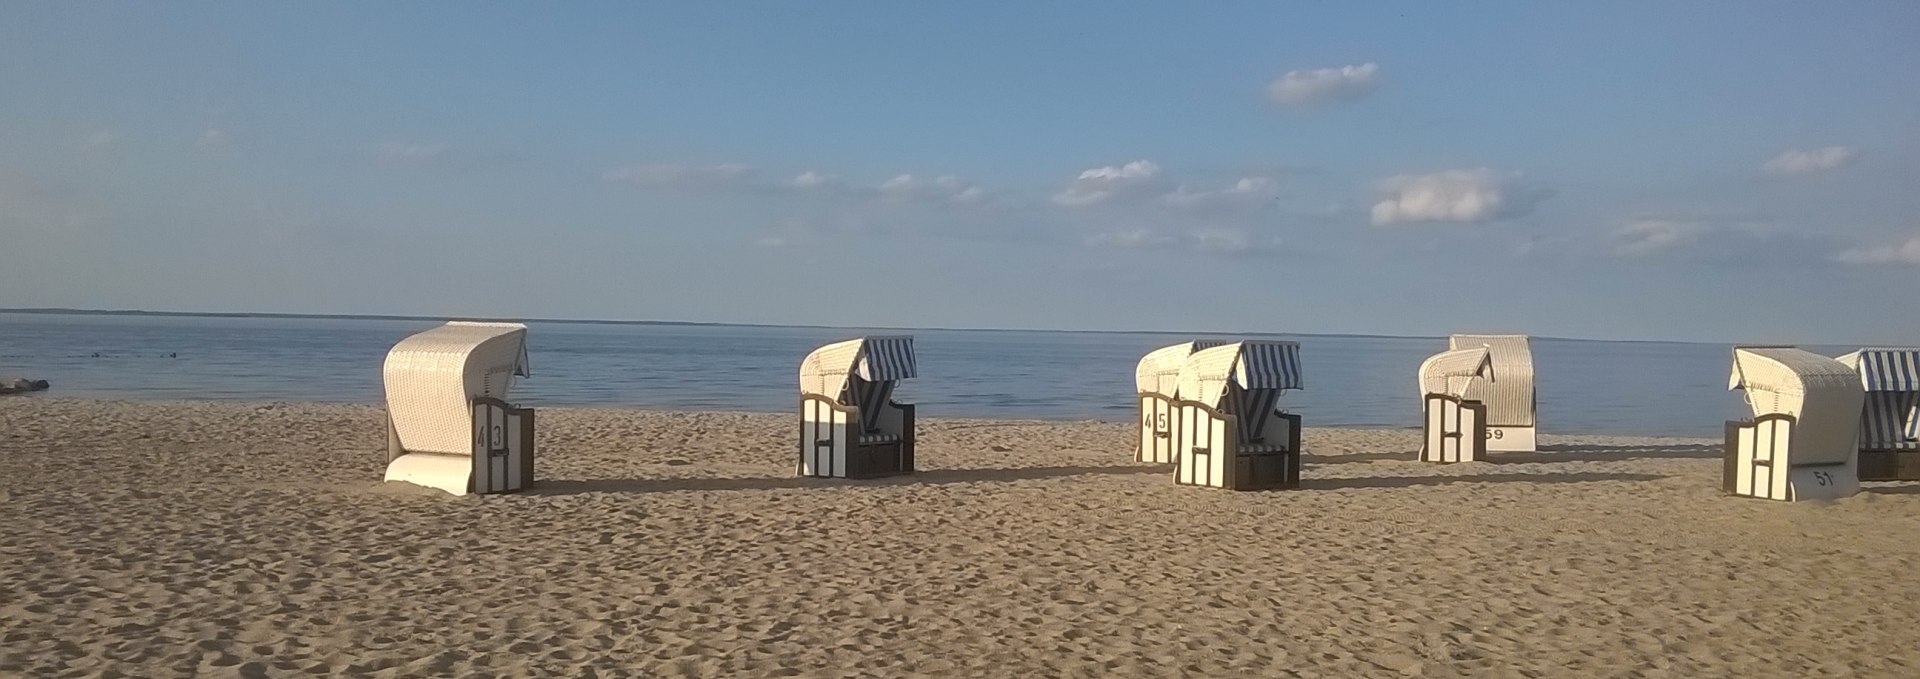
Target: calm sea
x,y
1585,387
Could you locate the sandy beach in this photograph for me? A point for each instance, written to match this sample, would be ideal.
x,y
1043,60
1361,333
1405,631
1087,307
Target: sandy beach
x,y
218,539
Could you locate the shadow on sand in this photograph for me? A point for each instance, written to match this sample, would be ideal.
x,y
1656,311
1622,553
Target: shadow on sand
x,y
929,477
1558,453
1411,481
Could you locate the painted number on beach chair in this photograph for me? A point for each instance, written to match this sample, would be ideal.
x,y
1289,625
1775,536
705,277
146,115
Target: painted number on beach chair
x,y
1496,433
497,438
1823,478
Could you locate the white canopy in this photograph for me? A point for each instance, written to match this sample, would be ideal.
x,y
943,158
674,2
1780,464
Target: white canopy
x,y
1452,372
1159,370
1823,395
432,378
1509,394
875,359
1252,364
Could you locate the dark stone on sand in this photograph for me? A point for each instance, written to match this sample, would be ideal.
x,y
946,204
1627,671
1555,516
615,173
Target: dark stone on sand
x,y
18,385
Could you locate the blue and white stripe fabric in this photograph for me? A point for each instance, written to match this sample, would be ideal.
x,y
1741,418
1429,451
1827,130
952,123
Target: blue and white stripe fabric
x,y
886,358
1252,406
1269,365
1891,377
1891,421
871,397
1890,369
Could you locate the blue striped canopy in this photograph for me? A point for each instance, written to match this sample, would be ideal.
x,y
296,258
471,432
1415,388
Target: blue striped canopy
x,y
1890,369
1891,421
1269,365
886,358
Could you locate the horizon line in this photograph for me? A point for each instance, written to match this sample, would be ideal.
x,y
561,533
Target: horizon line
x,y
69,311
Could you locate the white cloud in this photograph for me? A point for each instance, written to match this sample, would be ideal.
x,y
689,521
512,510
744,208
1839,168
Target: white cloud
x,y
1904,253
1346,83
1232,242
211,139
408,152
99,139
1454,196
814,180
945,188
1248,192
671,175
902,185
1212,241
1739,243
1648,236
1131,238
1101,184
1811,161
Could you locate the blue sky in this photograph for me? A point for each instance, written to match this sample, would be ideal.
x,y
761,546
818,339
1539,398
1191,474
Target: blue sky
x,y
1738,172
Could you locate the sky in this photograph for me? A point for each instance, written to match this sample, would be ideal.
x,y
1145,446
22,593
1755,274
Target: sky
x,y
1729,172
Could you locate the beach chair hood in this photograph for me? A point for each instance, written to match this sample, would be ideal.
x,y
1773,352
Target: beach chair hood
x,y
1452,372
1823,395
1891,378
432,378
1159,370
874,359
1508,394
1253,365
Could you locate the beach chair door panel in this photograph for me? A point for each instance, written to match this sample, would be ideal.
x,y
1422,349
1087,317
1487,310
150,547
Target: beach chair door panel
x,y
1158,418
1206,456
825,438
1455,430
1757,456
502,450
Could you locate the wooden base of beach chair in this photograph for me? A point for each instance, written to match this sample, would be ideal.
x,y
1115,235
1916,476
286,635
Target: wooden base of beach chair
x,y
501,460
1211,454
831,448
1890,465
1758,463
1510,439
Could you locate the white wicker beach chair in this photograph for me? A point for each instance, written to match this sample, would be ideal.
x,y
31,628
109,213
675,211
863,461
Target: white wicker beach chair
x,y
1509,397
1230,435
1456,427
1158,380
449,425
1801,442
850,426
1890,420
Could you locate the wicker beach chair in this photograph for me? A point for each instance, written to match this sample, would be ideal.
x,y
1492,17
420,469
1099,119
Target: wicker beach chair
x,y
1230,435
1509,397
1802,440
850,426
449,425
1456,427
1890,420
1157,379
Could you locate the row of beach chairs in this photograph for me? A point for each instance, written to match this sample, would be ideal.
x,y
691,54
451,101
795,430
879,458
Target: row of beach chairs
x,y
1209,408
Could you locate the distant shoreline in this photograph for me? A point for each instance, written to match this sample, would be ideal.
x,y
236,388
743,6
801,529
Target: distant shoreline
x,y
61,311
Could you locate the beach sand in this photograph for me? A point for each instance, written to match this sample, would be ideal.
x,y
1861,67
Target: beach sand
x,y
216,539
